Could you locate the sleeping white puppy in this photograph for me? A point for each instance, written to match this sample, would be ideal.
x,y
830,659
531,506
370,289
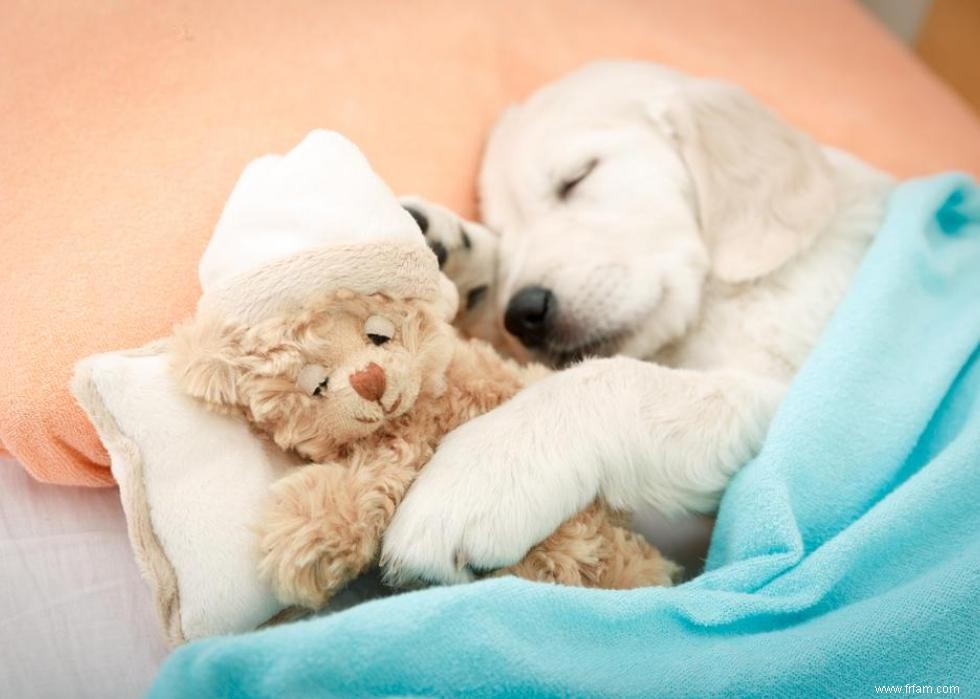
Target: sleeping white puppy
x,y
666,218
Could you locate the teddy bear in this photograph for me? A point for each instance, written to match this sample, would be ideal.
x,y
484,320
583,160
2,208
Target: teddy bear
x,y
339,349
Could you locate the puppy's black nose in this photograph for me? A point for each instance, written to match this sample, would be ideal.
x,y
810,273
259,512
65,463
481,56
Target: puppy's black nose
x,y
529,315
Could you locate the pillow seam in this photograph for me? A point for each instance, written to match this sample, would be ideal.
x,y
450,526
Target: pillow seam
x,y
152,561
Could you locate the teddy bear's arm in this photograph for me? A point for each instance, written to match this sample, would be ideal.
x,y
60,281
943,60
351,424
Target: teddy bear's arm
x,y
595,548
323,524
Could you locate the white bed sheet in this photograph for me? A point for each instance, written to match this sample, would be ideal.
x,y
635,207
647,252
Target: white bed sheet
x,y
76,619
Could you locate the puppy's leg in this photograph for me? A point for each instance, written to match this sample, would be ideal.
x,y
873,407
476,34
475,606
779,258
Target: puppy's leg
x,y
467,254
635,433
594,549
323,523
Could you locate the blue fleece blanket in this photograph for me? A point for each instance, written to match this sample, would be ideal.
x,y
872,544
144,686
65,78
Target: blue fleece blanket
x,y
845,561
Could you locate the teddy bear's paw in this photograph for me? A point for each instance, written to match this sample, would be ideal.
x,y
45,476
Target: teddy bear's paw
x,y
635,563
466,251
308,549
308,582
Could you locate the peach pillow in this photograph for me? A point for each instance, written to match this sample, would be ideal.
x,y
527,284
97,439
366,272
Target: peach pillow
x,y
126,124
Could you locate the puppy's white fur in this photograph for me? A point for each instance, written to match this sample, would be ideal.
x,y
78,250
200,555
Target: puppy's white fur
x,y
706,236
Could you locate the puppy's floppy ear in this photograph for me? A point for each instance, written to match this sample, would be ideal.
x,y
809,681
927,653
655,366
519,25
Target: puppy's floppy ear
x,y
205,362
764,189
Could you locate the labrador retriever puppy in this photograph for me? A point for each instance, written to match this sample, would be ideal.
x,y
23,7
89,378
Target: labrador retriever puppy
x,y
672,221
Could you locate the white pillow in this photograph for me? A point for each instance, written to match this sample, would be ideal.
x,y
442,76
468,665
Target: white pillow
x,y
191,484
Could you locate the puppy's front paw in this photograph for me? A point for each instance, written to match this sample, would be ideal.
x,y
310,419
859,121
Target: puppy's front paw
x,y
308,549
467,251
489,493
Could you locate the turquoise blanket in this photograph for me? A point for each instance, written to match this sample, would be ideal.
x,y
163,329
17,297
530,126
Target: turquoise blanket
x,y
845,560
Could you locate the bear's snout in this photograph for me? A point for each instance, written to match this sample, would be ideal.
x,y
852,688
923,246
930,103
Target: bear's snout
x,y
369,382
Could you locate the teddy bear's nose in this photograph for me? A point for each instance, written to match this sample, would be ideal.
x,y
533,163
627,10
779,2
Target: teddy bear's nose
x,y
369,382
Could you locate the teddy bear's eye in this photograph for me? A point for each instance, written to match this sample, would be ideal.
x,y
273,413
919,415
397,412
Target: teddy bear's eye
x,y
379,329
313,379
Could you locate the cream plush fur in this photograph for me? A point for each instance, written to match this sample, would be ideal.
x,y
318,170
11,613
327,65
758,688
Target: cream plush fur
x,y
679,222
365,387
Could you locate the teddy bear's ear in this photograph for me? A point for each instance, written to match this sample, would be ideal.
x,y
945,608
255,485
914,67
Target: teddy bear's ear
x,y
206,362
448,302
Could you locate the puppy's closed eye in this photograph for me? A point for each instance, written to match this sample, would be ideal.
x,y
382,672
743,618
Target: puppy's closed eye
x,y
568,185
